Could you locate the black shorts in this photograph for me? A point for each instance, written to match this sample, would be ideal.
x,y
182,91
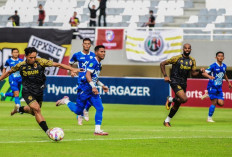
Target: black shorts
x,y
178,87
30,98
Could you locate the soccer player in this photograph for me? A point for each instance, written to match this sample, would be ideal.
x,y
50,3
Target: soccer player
x,y
82,57
218,71
181,66
33,80
15,79
88,91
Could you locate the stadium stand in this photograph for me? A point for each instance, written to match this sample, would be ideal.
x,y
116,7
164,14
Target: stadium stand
x,y
122,13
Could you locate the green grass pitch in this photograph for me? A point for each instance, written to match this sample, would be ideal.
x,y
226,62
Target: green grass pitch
x,y
134,131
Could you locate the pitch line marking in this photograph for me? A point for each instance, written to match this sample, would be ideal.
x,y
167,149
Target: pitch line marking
x,y
118,139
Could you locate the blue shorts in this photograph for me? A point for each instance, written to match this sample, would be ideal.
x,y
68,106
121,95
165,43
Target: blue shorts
x,y
215,93
15,85
84,97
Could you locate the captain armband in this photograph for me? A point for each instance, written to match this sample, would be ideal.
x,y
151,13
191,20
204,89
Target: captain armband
x,y
99,83
91,83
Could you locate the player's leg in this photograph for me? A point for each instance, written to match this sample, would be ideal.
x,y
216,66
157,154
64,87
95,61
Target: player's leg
x,y
10,94
86,111
214,99
180,97
15,87
97,103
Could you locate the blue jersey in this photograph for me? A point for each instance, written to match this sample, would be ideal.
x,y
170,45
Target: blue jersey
x,y
218,72
11,63
82,60
94,67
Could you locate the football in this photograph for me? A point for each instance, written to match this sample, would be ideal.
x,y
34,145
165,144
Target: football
x,y
56,134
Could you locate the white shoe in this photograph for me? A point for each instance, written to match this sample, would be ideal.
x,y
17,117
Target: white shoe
x,y
86,115
62,101
100,133
210,120
204,96
79,120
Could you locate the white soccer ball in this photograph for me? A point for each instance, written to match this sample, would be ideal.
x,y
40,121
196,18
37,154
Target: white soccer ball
x,y
56,134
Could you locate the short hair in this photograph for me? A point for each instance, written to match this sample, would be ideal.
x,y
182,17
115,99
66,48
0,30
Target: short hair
x,y
40,5
86,39
219,53
30,50
16,11
98,47
151,11
14,49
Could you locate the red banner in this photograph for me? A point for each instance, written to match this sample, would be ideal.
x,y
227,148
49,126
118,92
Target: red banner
x,y
197,87
112,39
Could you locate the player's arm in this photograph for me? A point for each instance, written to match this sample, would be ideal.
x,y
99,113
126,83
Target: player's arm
x,y
71,62
63,66
227,80
91,83
3,70
105,88
162,67
6,74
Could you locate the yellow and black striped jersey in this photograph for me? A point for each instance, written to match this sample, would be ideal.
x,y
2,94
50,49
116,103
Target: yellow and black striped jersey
x,y
181,66
33,77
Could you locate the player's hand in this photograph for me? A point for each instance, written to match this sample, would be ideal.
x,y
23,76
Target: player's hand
x,y
211,77
73,74
95,91
167,79
230,85
202,70
105,89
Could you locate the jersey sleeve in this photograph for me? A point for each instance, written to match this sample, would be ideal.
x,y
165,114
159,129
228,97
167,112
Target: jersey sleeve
x,y
44,62
73,59
194,67
6,64
91,67
209,69
16,67
173,60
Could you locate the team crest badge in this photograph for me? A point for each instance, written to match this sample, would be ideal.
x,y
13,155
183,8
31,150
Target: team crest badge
x,y
35,65
190,63
154,45
91,65
30,98
109,34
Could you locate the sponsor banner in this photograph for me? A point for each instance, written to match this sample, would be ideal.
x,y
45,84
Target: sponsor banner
x,y
86,33
52,44
121,90
147,46
112,39
197,87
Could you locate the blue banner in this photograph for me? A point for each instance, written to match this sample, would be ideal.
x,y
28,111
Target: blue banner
x,y
147,91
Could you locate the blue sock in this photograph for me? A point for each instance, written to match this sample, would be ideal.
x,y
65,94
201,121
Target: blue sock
x,y
17,101
73,107
211,110
9,94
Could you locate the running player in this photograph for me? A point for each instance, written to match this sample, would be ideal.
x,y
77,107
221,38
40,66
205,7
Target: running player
x,y
82,57
33,80
181,66
88,92
218,71
15,79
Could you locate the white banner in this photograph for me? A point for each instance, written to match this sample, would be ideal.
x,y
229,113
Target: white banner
x,y
155,46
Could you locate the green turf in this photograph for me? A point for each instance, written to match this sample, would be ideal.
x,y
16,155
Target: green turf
x,y
135,130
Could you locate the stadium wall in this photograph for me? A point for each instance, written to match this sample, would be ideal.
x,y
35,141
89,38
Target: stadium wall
x,y
117,64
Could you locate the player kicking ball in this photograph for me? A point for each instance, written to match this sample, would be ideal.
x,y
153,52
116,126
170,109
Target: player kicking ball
x,y
218,71
87,91
181,66
33,79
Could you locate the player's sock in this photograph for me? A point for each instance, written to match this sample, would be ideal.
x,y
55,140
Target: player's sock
x,y
44,126
72,106
21,110
17,101
175,100
211,110
168,119
9,94
98,117
173,112
97,128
